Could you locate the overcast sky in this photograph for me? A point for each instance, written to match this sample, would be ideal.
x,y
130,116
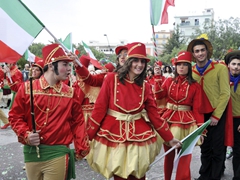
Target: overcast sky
x,y
120,19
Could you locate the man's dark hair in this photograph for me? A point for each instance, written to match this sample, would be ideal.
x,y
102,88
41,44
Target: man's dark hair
x,y
55,67
199,42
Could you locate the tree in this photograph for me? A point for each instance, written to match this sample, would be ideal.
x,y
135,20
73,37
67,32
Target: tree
x,y
223,34
175,44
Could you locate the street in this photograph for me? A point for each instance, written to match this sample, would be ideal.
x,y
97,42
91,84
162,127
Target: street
x,y
11,165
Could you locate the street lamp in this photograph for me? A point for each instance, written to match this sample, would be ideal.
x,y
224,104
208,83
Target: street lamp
x,y
108,43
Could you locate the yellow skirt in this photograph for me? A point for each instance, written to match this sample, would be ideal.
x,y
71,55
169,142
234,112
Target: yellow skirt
x,y
180,131
123,160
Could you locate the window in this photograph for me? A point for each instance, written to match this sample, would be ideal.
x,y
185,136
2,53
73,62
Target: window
x,y
196,22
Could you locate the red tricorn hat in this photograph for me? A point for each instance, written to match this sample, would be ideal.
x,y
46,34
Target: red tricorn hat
x,y
184,56
119,49
85,60
53,53
110,67
137,50
158,63
39,63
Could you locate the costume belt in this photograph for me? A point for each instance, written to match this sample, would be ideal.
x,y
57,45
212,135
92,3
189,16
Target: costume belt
x,y
128,117
87,107
178,107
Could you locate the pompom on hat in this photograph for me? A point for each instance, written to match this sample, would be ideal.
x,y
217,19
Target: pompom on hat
x,y
184,56
229,55
53,53
204,39
119,49
137,50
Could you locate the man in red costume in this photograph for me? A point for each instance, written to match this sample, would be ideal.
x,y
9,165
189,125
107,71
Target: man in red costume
x,y
58,118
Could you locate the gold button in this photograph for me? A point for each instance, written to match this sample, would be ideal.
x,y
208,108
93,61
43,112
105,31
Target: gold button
x,y
41,138
117,100
47,109
45,123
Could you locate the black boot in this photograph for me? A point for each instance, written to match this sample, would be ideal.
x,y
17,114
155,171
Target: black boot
x,y
9,102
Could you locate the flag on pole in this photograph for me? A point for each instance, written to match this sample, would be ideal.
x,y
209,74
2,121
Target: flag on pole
x,y
67,42
89,51
19,27
189,142
158,11
30,56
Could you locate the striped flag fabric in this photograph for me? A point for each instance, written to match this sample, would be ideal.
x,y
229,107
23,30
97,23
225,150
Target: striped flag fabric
x,y
189,142
158,11
19,27
30,56
89,51
67,42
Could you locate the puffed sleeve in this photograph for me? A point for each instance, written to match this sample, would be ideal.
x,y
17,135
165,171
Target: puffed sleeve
x,y
100,107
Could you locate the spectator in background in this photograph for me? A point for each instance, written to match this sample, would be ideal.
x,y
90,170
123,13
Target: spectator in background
x,y
25,72
167,71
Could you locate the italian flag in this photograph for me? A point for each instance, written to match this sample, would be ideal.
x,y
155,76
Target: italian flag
x,y
89,51
189,142
158,11
19,27
30,56
67,42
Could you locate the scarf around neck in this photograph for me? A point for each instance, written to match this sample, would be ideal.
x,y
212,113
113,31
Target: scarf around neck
x,y
202,69
235,80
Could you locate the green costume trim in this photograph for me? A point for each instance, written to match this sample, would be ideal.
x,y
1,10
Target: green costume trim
x,y
48,153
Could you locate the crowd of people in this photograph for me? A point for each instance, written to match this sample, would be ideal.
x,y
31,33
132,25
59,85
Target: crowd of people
x,y
119,117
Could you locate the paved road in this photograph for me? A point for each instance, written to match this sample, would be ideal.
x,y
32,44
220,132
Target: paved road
x,y
11,162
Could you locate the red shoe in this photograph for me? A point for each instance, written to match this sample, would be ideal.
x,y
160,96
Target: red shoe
x,y
5,126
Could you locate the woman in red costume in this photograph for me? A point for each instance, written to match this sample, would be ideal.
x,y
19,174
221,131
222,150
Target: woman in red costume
x,y
124,124
186,103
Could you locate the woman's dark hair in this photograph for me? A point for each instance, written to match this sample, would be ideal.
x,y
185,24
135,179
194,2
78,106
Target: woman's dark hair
x,y
189,74
150,69
118,66
124,70
165,69
55,67
40,69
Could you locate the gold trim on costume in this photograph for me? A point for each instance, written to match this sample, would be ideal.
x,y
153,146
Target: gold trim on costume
x,y
116,83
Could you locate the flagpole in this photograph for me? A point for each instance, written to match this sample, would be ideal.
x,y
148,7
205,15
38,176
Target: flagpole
x,y
76,60
155,44
159,158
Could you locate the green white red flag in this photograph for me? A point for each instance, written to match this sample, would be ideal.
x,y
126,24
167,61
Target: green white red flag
x,y
30,56
89,51
67,42
158,11
189,142
19,27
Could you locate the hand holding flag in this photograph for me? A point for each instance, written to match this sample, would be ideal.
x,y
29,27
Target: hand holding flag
x,y
188,143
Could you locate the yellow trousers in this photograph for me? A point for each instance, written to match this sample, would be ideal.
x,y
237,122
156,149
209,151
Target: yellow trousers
x,y
54,169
